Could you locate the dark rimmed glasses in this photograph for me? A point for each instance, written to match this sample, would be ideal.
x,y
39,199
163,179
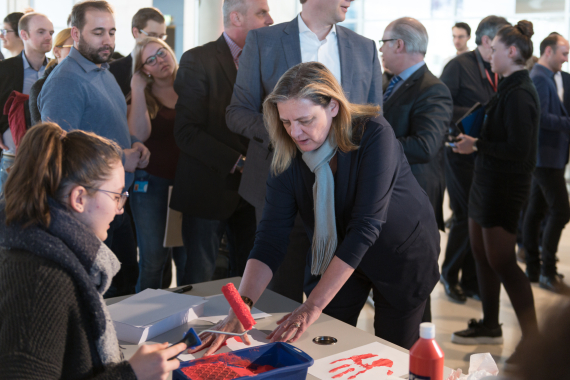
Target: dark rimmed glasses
x,y
153,59
162,36
4,31
382,42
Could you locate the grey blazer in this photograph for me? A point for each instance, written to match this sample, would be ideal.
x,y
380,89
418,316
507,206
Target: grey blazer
x,y
268,53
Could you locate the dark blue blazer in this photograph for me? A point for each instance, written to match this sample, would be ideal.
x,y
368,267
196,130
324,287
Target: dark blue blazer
x,y
385,222
554,132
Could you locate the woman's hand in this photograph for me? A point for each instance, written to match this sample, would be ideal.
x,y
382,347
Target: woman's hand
x,y
151,360
464,144
294,324
138,82
215,341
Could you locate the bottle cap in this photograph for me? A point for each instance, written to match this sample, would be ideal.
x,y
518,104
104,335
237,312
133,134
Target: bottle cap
x,y
427,330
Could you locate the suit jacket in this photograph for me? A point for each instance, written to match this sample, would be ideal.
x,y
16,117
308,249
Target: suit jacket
x,y
385,223
566,85
11,78
203,186
268,53
122,69
420,111
554,132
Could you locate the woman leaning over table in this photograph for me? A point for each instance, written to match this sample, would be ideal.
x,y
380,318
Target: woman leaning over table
x,y
372,227
506,157
151,119
61,195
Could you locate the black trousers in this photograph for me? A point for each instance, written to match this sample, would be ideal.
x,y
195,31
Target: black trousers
x,y
396,326
121,240
458,254
548,196
289,278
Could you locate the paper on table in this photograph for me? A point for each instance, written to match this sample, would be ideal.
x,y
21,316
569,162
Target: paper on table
x,y
256,337
217,309
368,367
150,306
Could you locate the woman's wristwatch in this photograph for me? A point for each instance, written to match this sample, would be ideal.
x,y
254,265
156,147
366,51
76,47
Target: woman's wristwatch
x,y
475,145
247,301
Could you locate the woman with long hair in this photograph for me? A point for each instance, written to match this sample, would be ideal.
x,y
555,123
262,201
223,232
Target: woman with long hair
x,y
61,46
371,225
151,119
60,197
506,157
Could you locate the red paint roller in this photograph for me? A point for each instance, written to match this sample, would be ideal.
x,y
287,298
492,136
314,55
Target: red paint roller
x,y
238,306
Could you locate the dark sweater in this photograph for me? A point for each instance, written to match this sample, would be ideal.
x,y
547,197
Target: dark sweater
x,y
35,114
509,137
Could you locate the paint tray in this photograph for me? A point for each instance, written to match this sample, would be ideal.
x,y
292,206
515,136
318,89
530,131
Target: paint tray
x,y
289,363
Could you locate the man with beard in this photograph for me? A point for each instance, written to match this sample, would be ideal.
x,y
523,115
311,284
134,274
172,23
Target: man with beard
x,y
81,93
19,73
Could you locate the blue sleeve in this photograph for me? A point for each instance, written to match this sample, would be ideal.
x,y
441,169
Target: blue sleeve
x,y
279,212
548,120
378,172
62,101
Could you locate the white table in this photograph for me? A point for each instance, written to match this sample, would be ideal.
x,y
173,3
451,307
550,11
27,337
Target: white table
x,y
348,337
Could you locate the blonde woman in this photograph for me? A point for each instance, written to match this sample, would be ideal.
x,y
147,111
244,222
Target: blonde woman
x,y
151,119
372,226
61,47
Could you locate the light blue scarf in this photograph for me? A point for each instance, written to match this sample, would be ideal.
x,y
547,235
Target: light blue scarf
x,y
324,236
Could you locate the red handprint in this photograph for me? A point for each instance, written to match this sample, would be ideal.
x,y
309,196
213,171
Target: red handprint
x,y
358,361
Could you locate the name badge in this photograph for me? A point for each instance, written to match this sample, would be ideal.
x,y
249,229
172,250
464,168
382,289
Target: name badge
x,y
140,186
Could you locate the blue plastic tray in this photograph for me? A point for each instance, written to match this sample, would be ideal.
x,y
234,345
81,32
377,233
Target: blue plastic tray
x,y
290,363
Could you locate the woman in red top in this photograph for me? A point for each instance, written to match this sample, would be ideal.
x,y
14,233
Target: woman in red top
x,y
151,119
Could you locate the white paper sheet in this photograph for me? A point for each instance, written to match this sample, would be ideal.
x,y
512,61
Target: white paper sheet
x,y
256,337
217,309
150,306
325,369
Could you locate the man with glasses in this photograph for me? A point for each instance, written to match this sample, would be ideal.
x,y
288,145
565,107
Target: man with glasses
x,y
147,22
19,73
81,93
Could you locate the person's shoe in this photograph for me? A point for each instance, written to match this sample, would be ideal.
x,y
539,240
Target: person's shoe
x,y
532,273
454,292
521,254
553,283
478,333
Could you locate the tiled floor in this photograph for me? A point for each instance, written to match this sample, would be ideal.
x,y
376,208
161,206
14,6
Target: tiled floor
x,y
449,317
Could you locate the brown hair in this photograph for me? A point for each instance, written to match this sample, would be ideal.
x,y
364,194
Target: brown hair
x,y
140,19
303,1
519,37
79,9
312,81
48,161
59,40
13,19
24,22
152,103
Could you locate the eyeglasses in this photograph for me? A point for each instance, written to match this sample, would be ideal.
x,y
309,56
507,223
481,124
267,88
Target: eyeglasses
x,y
382,42
121,200
4,31
64,46
153,59
162,36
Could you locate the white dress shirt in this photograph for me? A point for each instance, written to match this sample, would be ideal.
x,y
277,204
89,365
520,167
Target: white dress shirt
x,y
559,85
325,51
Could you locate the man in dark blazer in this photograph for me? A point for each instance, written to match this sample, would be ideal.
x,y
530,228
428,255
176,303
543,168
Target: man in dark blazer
x,y
418,106
19,73
268,54
212,157
549,196
147,22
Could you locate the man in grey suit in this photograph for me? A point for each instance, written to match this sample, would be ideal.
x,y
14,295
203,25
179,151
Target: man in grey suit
x,y
312,36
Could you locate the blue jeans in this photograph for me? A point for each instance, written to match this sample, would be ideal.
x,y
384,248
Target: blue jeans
x,y
202,242
149,213
5,163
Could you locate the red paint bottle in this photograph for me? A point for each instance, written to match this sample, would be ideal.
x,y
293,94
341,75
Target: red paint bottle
x,y
426,358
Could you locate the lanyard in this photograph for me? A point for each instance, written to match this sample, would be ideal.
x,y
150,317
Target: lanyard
x,y
494,85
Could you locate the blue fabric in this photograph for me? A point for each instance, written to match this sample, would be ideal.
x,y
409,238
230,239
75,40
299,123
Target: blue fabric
x,y
149,213
385,223
31,75
80,95
395,80
554,132
404,75
5,163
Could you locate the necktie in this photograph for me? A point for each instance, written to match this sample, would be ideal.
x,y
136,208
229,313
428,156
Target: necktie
x,y
390,88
